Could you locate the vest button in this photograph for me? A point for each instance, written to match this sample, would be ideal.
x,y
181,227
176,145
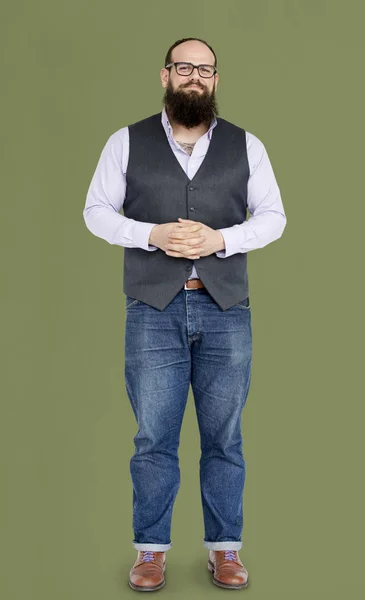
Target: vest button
x,y
192,208
188,268
191,188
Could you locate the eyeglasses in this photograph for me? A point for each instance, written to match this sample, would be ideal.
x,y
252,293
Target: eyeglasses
x,y
184,68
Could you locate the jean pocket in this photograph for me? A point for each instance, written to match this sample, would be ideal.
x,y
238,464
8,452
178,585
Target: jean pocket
x,y
129,302
244,304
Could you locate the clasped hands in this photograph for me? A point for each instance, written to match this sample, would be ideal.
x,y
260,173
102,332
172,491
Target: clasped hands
x,y
187,239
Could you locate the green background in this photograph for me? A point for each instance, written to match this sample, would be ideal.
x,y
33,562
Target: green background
x,y
73,73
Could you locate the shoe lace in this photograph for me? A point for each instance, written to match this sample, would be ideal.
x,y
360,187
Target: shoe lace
x,y
147,555
230,555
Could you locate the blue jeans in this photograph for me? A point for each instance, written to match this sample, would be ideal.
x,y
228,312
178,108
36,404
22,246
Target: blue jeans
x,y
192,341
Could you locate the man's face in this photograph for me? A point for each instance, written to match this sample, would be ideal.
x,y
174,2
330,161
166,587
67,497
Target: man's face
x,y
187,105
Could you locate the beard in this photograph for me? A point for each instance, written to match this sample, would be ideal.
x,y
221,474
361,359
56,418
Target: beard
x,y
190,107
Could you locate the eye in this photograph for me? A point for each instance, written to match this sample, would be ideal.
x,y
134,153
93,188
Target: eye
x,y
207,69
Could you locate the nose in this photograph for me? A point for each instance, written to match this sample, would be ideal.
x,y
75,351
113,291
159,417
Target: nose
x,y
195,81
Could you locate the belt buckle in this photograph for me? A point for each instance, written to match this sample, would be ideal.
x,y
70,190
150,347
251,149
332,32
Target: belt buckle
x,y
186,288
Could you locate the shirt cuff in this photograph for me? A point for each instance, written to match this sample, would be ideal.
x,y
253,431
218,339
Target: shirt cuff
x,y
231,236
141,234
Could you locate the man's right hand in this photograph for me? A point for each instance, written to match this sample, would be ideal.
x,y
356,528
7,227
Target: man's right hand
x,y
192,240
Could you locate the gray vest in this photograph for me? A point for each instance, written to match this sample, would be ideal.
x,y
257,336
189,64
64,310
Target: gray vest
x,y
159,191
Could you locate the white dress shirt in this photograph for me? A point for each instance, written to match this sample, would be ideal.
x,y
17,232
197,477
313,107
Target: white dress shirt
x,y
107,190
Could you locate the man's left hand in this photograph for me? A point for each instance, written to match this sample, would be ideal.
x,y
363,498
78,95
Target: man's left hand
x,y
212,243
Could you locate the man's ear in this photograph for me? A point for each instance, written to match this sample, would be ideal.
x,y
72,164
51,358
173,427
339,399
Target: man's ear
x,y
164,77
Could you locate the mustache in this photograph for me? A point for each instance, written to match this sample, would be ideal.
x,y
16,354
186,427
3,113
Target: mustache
x,y
197,84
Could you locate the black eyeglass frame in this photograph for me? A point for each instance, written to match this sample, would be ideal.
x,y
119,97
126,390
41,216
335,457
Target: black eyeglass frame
x,y
192,71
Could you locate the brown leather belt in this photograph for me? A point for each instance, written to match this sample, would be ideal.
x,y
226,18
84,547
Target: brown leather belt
x,y
193,284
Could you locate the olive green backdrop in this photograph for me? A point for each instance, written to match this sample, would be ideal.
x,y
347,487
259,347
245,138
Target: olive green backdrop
x,y
73,73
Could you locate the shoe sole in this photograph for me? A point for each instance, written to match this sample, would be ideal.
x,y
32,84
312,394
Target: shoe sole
x,y
139,588
225,585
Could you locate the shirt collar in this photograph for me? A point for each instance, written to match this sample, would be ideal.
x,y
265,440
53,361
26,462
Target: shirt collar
x,y
167,126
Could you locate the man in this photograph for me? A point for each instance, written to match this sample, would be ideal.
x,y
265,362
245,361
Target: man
x,y
186,178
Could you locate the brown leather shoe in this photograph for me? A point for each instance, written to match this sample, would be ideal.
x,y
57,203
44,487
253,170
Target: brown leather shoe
x,y
227,569
147,573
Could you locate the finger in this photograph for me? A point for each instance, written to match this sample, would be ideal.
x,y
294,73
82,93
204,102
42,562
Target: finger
x,y
186,228
184,247
179,255
186,221
187,240
184,250
184,231
176,254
